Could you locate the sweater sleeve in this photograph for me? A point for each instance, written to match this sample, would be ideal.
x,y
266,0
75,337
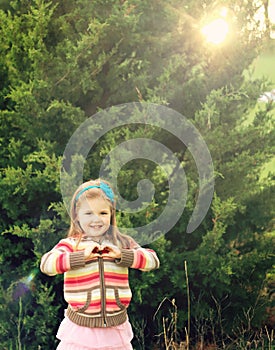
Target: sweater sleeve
x,y
61,258
139,258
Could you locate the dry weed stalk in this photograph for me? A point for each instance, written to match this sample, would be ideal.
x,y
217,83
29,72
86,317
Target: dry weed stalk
x,y
170,331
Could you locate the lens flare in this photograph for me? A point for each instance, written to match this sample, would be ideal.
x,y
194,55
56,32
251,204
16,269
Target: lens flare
x,y
216,31
31,276
24,285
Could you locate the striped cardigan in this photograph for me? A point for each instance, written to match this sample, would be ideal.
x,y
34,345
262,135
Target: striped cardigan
x,y
97,291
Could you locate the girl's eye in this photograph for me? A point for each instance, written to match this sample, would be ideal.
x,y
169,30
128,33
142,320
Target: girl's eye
x,y
104,213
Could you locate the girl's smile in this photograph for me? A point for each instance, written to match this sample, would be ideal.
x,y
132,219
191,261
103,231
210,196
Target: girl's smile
x,y
94,216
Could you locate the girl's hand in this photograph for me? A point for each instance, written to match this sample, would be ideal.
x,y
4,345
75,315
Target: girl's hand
x,y
111,251
91,251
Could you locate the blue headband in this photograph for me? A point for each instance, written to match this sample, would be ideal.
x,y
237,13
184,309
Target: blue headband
x,y
103,186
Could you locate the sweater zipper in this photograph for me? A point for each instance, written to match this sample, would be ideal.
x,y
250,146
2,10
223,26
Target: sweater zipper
x,y
102,289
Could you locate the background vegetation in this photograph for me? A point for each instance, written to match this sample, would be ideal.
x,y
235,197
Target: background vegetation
x,y
60,62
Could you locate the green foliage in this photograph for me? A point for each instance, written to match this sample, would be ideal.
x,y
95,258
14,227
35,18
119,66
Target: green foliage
x,y
25,312
34,181
62,61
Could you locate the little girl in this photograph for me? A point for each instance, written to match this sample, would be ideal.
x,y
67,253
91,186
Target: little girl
x,y
95,258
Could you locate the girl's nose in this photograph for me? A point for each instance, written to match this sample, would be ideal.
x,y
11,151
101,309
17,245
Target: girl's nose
x,y
96,218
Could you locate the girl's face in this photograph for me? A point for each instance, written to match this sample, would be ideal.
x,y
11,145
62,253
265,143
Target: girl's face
x,y
94,216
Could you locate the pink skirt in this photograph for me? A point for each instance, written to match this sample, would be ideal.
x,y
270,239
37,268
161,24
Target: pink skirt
x,y
74,337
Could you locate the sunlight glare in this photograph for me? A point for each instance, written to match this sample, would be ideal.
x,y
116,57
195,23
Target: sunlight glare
x,y
271,16
216,31
271,11
224,12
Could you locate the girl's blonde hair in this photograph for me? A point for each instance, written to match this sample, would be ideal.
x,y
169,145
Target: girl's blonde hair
x,y
95,189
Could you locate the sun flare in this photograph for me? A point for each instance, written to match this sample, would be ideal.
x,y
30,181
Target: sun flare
x,y
216,31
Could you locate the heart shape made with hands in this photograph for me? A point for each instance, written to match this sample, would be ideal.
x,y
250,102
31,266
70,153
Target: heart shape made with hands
x,y
100,251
